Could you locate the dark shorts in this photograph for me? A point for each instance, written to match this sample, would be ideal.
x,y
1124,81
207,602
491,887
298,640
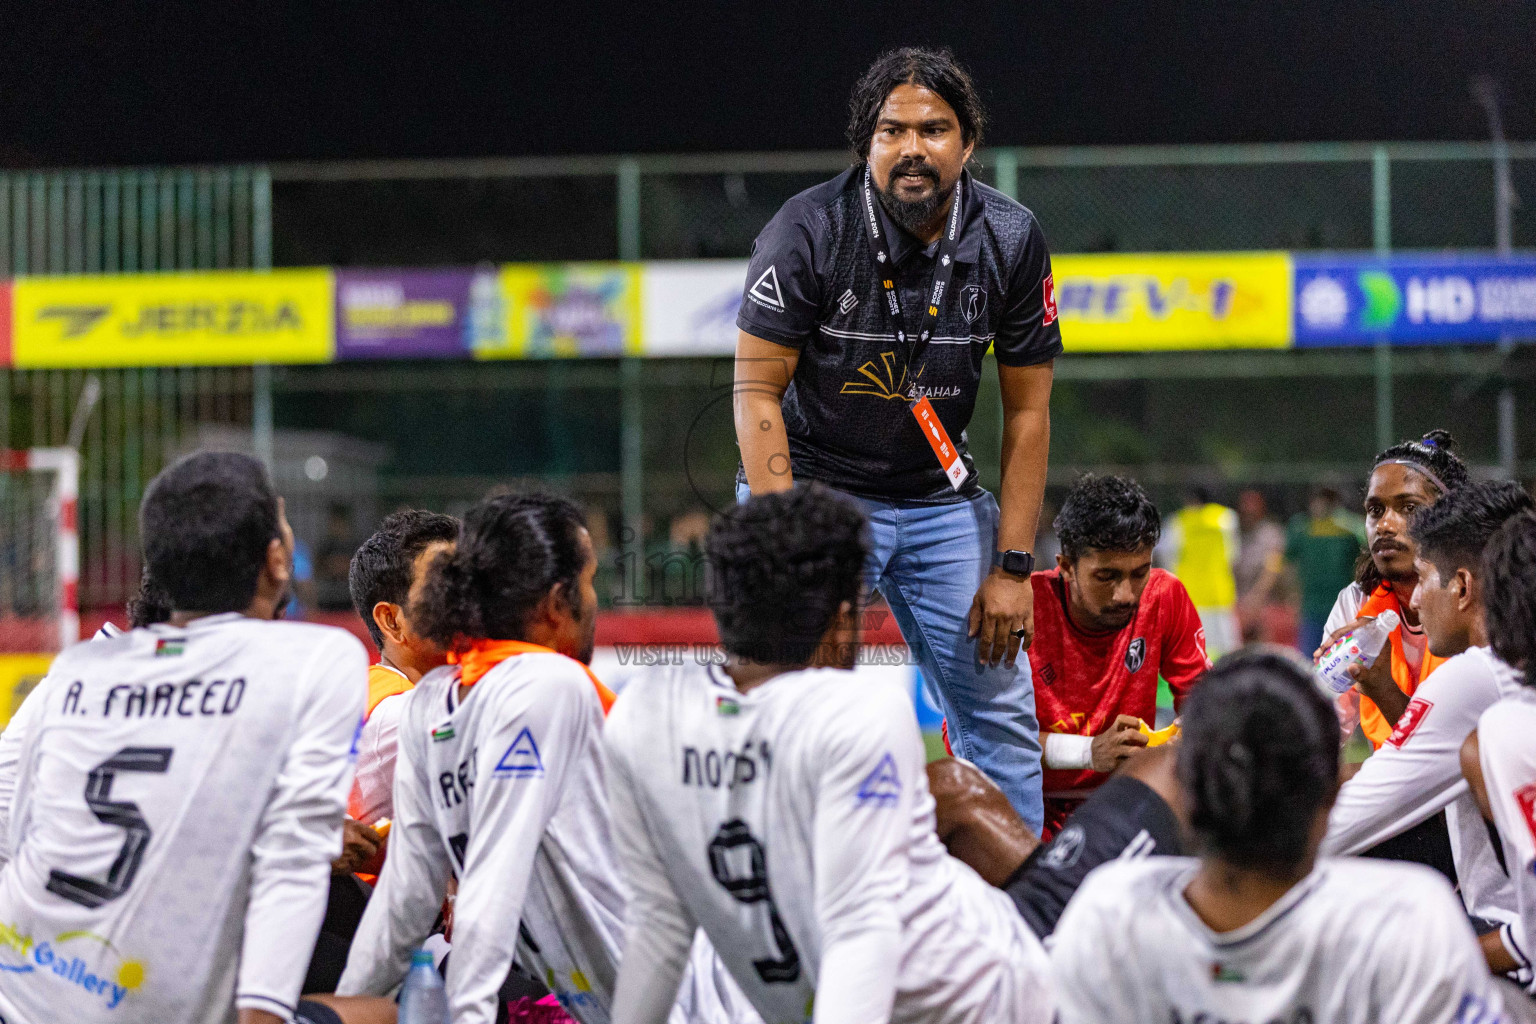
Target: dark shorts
x,y
315,1013
1124,818
1427,843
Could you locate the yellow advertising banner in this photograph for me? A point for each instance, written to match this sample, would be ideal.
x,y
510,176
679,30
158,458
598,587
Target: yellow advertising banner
x,y
565,309
1138,302
18,674
201,319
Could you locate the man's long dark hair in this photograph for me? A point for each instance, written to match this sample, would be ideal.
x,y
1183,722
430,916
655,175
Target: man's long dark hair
x,y
936,70
512,551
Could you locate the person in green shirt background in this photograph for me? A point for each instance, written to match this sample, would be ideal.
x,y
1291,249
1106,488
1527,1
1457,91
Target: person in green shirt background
x,y
1322,544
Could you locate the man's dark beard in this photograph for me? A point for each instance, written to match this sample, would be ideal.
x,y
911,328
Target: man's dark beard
x,y
914,217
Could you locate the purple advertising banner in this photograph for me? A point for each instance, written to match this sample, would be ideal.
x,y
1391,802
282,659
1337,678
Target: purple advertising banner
x,y
404,314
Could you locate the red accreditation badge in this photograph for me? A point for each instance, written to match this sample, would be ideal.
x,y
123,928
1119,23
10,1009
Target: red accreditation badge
x,y
938,440
1413,715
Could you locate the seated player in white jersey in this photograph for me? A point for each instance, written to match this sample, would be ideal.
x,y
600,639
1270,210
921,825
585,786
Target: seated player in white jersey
x,y
1258,929
178,791
499,779
1499,759
385,571
1417,771
779,802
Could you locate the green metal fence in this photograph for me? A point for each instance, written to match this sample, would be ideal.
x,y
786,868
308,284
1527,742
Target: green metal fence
x,y
646,443
1142,198
132,221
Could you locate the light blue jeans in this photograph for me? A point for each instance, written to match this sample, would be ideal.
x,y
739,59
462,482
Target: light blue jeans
x,y
927,561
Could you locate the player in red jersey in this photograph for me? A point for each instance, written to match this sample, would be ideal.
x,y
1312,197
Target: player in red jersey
x,y
1107,625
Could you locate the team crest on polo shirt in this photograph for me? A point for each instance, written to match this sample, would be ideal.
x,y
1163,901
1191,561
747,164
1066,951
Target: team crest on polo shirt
x,y
973,302
766,291
1135,654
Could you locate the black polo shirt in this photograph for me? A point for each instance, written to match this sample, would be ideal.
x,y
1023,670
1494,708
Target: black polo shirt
x,y
813,286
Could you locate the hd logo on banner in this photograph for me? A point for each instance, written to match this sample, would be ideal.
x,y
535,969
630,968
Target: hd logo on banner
x,y
1138,302
1414,300
202,319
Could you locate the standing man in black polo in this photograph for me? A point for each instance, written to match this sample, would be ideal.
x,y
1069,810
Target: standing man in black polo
x,y
870,303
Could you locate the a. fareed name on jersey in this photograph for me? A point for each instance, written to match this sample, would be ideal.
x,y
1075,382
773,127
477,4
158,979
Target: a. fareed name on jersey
x,y
193,698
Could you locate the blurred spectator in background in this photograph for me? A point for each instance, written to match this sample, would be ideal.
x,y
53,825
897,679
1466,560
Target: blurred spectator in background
x,y
302,600
334,560
1322,544
687,530
1260,570
1201,547
1047,543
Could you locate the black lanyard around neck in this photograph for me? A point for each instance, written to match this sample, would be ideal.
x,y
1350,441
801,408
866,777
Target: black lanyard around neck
x,y
943,270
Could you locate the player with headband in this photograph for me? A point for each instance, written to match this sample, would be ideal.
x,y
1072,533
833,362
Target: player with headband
x,y
1404,478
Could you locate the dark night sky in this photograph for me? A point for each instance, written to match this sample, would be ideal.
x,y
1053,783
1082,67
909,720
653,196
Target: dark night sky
x,y
269,81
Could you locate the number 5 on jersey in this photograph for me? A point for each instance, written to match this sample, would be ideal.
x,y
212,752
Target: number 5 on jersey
x,y
123,814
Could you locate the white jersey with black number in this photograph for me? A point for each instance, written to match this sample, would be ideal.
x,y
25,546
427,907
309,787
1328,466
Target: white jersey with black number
x,y
1506,737
1355,942
172,803
1417,773
505,789
793,823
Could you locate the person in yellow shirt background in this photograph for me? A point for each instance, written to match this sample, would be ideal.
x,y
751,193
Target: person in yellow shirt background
x,y
1200,547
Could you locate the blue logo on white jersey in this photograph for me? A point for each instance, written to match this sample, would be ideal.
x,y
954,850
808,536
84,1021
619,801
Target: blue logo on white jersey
x,y
521,759
882,786
1475,1010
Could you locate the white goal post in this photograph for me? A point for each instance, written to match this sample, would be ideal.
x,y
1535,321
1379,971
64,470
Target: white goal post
x,y
62,466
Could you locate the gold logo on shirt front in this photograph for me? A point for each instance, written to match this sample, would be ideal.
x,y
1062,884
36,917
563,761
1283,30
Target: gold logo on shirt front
x,y
880,386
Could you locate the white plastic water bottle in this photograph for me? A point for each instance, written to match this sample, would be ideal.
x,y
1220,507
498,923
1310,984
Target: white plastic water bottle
x,y
423,999
1360,647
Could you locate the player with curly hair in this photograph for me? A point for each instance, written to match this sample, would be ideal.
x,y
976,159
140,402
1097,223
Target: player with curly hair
x,y
779,802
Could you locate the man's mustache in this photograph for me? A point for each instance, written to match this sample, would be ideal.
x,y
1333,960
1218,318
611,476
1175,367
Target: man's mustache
x,y
918,167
